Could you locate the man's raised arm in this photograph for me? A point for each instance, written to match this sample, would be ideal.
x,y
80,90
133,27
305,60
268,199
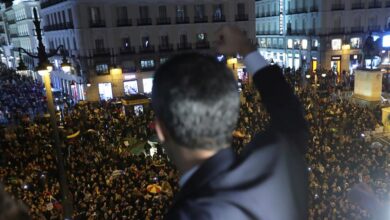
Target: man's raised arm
x,y
277,96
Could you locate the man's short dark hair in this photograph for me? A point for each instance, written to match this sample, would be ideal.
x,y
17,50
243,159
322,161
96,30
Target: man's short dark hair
x,y
196,98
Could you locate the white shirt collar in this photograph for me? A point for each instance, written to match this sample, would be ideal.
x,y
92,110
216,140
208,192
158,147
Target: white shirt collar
x,y
187,175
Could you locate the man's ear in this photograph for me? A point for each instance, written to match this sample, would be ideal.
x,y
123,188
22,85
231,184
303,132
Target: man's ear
x,y
160,130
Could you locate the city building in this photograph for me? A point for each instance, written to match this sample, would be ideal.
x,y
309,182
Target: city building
x,y
17,31
136,36
316,34
19,28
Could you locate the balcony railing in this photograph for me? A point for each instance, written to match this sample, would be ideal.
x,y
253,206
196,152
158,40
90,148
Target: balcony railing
x,y
338,7
50,3
357,6
337,31
311,31
184,46
291,11
220,18
101,52
13,35
203,19
127,50
314,8
375,4
148,68
163,21
182,20
165,47
144,21
374,28
267,32
357,29
11,21
202,45
97,23
301,10
298,32
387,4
149,49
56,27
124,22
242,17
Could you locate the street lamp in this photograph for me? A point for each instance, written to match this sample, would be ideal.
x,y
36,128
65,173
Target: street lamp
x,y
44,68
65,65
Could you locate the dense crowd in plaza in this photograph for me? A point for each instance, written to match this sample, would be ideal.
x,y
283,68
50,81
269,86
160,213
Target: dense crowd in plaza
x,y
20,96
108,180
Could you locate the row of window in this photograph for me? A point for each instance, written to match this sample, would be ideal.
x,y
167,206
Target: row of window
x,y
146,42
144,64
180,12
60,17
291,43
336,44
53,43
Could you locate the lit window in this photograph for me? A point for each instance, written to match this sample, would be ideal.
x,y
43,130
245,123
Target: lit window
x,y
315,43
336,44
290,43
147,64
163,60
355,42
201,37
102,69
148,85
386,41
304,44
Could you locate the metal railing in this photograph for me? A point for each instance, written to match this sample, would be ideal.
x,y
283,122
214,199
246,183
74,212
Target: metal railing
x,y
50,3
124,22
357,6
242,17
149,49
144,21
97,23
220,18
184,46
357,29
202,45
182,20
127,50
203,19
338,7
163,20
165,47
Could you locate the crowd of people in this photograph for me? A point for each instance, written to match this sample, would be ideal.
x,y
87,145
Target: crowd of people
x,y
20,96
109,180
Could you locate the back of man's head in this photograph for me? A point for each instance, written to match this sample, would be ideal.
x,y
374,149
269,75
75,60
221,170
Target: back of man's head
x,y
196,99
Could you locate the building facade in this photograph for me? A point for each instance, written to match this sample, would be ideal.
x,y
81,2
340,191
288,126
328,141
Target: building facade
x,y
136,35
316,34
19,29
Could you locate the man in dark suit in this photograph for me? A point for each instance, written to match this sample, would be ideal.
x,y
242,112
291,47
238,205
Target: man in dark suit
x,y
196,102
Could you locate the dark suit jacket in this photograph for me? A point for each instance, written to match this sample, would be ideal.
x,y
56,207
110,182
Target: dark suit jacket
x,y
268,180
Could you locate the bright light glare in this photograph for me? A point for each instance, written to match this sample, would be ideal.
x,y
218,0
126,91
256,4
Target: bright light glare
x,y
386,41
